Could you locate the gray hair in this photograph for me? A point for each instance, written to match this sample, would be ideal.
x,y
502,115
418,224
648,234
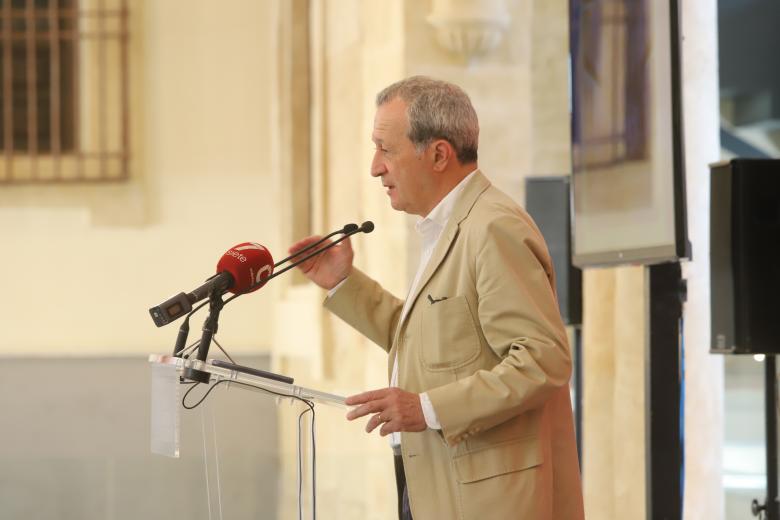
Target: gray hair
x,y
437,110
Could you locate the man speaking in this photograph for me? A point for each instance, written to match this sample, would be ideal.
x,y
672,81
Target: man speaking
x,y
478,404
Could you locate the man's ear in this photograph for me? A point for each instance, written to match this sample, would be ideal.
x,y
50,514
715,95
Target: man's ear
x,y
443,154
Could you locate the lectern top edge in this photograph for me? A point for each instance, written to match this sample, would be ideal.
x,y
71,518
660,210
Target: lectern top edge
x,y
249,381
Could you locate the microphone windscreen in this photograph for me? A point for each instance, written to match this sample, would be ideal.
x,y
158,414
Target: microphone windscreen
x,y
249,263
367,226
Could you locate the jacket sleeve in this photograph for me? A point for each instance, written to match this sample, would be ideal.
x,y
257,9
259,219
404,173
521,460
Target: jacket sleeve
x,y
367,307
518,313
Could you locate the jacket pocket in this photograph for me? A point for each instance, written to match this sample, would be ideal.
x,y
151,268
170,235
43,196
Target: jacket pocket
x,y
449,337
497,460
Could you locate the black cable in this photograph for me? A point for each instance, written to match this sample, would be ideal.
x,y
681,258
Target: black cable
x,y
313,469
313,463
280,394
300,467
190,389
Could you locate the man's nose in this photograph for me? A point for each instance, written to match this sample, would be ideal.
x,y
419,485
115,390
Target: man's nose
x,y
377,166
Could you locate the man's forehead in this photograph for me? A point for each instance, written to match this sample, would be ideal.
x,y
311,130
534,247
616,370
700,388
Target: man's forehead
x,y
389,118
382,127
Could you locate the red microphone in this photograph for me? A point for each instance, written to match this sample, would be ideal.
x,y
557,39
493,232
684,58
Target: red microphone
x,y
243,268
249,265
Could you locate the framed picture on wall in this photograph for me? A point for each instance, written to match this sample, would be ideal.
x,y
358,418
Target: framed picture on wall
x,y
628,182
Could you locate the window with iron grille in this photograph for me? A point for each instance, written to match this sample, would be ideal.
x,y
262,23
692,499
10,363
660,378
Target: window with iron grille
x,y
63,91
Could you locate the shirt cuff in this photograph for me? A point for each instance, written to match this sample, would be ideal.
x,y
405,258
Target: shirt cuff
x,y
337,287
430,414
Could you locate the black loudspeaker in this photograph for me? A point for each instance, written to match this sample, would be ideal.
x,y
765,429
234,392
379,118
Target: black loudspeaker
x,y
547,201
745,256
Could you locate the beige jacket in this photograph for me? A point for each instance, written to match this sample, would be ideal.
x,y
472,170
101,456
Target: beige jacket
x,y
492,353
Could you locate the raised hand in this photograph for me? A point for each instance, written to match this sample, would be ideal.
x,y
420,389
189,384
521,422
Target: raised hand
x,y
329,268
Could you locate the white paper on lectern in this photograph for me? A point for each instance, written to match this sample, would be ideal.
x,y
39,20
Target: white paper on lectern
x,y
165,410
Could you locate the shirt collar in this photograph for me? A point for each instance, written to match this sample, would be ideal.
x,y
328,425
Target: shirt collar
x,y
435,221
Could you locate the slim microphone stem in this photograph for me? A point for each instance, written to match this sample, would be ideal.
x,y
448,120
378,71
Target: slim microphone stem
x,y
299,262
310,255
310,246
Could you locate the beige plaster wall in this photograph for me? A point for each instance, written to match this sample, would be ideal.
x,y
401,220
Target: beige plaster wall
x,y
82,264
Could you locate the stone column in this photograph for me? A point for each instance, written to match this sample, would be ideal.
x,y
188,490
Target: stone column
x,y
704,372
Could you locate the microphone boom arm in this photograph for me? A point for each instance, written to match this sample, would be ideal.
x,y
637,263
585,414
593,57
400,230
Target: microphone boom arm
x,y
366,227
349,228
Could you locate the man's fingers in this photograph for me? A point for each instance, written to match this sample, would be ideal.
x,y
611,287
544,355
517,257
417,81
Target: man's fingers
x,y
389,427
393,409
347,245
372,423
303,243
365,397
365,409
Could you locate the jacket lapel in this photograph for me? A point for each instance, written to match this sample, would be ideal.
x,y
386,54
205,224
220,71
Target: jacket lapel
x,y
468,197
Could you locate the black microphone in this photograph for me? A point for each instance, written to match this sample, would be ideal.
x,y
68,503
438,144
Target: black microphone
x,y
180,304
